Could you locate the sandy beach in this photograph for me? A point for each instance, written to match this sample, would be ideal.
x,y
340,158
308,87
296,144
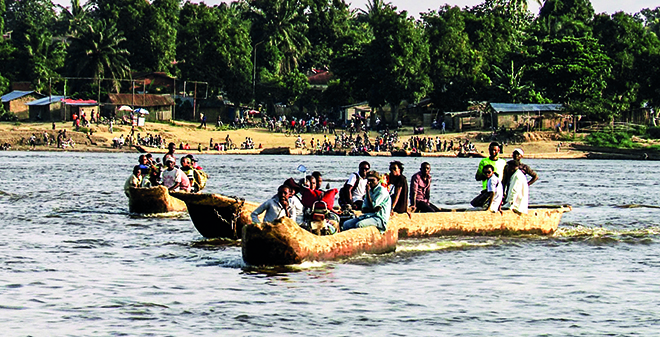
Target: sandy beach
x,y
540,144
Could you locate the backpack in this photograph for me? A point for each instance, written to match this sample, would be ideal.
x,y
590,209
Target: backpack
x,y
200,179
343,192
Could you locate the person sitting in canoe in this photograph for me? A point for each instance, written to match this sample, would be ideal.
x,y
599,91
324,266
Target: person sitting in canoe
x,y
275,207
173,178
517,198
493,188
152,179
144,165
134,180
355,187
295,201
377,206
420,190
399,188
498,165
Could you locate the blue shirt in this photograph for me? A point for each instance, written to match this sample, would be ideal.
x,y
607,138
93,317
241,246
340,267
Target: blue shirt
x,y
380,197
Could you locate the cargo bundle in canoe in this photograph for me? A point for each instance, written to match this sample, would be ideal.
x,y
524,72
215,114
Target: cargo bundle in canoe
x,y
216,215
153,200
284,242
540,220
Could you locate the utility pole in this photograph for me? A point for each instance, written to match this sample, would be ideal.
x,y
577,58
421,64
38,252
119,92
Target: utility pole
x,y
254,73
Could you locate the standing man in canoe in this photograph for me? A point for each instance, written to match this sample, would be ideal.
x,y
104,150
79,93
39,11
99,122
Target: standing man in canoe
x,y
494,160
275,207
170,152
377,206
517,198
420,191
526,170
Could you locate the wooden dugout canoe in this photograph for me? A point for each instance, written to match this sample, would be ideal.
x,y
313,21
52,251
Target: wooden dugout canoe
x,y
153,200
284,242
216,215
539,220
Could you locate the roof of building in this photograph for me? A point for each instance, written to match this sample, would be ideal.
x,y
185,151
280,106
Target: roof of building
x,y
79,102
141,100
46,100
16,94
519,107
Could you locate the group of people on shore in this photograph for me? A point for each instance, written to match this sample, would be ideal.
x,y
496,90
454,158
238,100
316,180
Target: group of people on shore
x,y
379,196
430,144
150,172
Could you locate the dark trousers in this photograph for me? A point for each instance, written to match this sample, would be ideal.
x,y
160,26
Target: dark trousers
x,y
425,207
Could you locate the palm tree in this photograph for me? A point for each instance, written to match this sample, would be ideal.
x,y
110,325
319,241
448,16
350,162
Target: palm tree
x,y
96,52
281,25
76,18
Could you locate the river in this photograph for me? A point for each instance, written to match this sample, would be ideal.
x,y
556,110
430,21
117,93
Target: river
x,y
73,262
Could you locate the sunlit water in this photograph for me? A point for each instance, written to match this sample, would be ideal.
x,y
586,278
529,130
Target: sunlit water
x,y
73,262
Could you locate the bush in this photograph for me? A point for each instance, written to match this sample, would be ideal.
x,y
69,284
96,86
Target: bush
x,y
611,139
653,132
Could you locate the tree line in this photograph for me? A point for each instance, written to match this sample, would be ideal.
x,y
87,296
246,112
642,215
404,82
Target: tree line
x,y
262,51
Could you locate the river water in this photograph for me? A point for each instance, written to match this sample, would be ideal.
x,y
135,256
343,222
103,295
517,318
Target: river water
x,y
73,262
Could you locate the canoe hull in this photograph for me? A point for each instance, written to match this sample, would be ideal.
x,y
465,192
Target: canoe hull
x,y
283,242
538,221
216,215
149,200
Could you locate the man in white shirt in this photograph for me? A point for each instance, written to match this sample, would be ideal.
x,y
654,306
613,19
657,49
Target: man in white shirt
x,y
518,196
494,187
356,185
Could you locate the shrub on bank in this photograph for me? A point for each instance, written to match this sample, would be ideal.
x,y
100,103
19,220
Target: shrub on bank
x,y
611,139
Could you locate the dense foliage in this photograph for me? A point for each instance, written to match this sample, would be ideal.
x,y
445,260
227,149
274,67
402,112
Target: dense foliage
x,y
262,51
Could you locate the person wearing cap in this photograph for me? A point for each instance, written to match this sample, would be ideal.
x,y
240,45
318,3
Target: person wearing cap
x,y
517,198
376,208
494,160
517,156
173,178
194,161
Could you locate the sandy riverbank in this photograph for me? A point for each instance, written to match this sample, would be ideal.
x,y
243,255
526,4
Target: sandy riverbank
x,y
541,145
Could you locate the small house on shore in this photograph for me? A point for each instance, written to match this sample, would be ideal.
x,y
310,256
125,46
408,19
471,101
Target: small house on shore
x,y
529,116
49,108
159,106
14,102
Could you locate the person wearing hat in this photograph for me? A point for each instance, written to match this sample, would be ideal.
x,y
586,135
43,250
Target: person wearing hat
x,y
376,208
517,198
194,161
517,156
510,170
173,178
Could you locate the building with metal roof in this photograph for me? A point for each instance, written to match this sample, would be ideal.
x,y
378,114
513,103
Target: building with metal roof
x,y
520,107
526,116
15,102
